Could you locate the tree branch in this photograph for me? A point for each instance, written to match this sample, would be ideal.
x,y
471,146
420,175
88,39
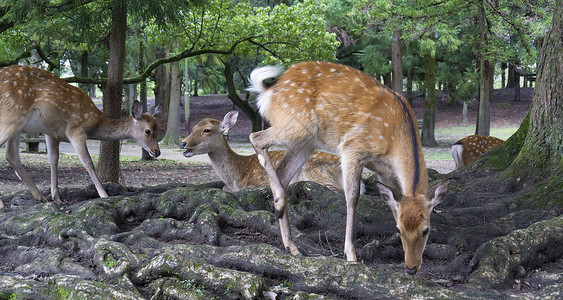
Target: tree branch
x,y
148,70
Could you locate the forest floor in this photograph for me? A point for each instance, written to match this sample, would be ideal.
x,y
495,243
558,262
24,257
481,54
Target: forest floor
x,y
483,242
172,167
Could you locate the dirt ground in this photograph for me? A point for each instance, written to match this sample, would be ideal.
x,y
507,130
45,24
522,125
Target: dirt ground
x,y
505,113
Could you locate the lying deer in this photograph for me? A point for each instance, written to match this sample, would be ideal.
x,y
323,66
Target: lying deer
x,y
367,124
35,100
240,172
467,150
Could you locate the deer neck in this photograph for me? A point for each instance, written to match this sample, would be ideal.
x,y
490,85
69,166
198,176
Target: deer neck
x,y
413,175
227,164
112,129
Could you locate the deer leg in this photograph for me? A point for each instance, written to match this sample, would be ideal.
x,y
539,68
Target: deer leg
x,y
86,160
352,174
13,158
295,157
261,141
53,152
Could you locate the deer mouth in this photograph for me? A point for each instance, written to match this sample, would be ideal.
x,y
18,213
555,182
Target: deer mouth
x,y
189,152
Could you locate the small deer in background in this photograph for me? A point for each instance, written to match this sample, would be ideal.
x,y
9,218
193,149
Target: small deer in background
x,y
345,111
240,172
467,150
35,100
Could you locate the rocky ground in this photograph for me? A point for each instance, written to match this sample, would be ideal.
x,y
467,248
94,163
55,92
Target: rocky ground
x,y
165,238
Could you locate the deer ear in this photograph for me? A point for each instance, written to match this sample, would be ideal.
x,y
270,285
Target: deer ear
x,y
137,110
390,197
229,121
156,110
437,193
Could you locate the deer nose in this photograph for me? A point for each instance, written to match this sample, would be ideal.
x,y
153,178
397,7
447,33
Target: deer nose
x,y
156,153
411,271
182,145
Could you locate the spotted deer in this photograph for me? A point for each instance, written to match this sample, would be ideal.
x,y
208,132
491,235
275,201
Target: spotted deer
x,y
345,111
240,172
35,100
467,150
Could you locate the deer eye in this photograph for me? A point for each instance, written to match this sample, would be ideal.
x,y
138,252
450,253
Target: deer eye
x,y
148,131
425,231
207,130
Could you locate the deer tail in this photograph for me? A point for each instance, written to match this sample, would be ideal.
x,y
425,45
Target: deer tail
x,y
258,78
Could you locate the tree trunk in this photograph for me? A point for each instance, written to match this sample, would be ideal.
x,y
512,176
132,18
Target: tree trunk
x,y
397,61
252,114
143,94
543,147
511,72
187,95
486,71
464,119
409,86
516,86
109,150
84,70
387,79
172,136
162,82
503,74
429,121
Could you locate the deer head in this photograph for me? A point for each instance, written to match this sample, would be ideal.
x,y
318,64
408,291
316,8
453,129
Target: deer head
x,y
208,134
413,219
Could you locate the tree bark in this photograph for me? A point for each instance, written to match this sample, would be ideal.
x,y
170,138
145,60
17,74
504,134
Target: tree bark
x,y
543,147
486,73
511,72
172,136
429,121
397,61
109,150
503,74
516,86
143,94
409,86
162,82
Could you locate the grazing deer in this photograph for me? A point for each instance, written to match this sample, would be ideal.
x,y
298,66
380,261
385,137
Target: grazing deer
x,y
467,150
240,172
347,112
35,100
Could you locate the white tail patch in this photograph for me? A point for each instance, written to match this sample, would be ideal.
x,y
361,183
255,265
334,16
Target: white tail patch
x,y
257,78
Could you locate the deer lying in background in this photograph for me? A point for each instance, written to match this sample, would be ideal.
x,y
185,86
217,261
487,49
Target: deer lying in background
x,y
35,100
347,112
467,150
240,172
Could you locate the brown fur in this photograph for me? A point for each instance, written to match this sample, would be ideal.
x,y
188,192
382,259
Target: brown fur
x,y
240,172
35,100
344,110
467,150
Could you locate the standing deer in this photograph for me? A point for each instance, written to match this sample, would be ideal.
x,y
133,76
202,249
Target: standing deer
x,y
35,100
467,150
347,112
240,172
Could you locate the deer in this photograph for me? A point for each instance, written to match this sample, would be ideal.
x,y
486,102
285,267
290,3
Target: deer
x,y
241,172
35,100
344,111
467,150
